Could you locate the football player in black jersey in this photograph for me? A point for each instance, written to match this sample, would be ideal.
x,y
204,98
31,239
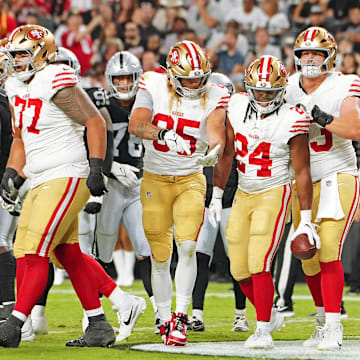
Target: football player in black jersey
x,y
207,237
122,203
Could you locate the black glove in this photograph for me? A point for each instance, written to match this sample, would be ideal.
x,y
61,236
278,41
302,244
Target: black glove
x,y
10,185
321,117
93,206
95,181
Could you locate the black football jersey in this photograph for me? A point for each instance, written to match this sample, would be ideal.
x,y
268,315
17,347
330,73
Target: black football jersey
x,y
6,136
128,148
230,187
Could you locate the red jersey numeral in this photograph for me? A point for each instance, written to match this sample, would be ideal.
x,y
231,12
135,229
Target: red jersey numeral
x,y
37,104
328,142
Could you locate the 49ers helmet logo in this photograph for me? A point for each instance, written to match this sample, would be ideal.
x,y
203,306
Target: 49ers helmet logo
x,y
36,34
174,57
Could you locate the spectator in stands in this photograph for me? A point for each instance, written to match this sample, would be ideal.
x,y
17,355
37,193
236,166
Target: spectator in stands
x,y
204,15
177,34
146,15
345,46
228,61
278,22
126,13
352,29
262,47
8,22
150,62
132,39
302,11
154,44
350,64
167,13
59,10
77,38
112,46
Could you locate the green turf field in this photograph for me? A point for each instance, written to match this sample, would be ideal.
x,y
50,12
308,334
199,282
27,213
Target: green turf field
x,y
64,314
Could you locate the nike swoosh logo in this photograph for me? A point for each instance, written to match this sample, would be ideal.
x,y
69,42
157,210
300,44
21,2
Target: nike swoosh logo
x,y
129,319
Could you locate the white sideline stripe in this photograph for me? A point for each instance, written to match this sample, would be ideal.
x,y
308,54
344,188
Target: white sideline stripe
x,y
219,295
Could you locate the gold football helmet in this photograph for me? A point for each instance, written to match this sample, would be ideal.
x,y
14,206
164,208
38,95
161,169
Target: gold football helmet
x,y
35,40
186,60
265,82
315,38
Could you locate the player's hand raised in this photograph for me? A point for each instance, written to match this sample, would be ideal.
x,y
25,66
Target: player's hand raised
x,y
174,141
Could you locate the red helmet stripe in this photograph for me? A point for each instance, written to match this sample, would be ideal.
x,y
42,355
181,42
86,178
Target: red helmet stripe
x,y
310,35
193,53
265,65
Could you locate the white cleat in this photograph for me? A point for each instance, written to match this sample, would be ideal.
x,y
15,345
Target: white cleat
x,y
129,318
259,340
39,320
240,324
27,331
317,335
332,337
276,321
157,323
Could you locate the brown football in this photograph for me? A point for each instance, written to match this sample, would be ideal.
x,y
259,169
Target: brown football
x,y
301,247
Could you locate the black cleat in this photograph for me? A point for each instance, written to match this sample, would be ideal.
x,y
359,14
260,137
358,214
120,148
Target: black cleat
x,y
10,333
80,342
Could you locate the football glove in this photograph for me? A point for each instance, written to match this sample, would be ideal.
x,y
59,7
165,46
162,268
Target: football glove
x,y
321,117
93,206
211,158
174,141
215,207
10,185
125,174
308,228
14,209
95,181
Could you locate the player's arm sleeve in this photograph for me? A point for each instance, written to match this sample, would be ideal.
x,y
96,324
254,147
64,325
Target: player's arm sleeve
x,y
143,100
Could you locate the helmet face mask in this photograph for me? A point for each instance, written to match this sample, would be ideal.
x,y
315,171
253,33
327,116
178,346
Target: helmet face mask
x,y
123,73
187,61
66,56
265,83
222,79
34,40
315,39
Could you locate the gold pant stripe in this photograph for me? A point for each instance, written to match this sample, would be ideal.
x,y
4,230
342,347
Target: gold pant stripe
x,y
57,216
350,219
279,227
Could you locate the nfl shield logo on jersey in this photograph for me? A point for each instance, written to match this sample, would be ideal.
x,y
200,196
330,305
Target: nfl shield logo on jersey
x,y
148,194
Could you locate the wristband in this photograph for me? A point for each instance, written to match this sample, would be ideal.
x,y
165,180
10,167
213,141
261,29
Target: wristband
x,y
162,133
306,215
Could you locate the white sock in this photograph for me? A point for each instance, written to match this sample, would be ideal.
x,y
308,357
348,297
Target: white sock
x,y
120,299
185,274
129,263
153,303
320,311
332,318
198,314
264,325
118,258
240,312
38,311
94,312
162,288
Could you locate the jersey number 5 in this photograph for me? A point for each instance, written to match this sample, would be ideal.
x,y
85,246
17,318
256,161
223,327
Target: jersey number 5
x,y
37,104
260,156
182,123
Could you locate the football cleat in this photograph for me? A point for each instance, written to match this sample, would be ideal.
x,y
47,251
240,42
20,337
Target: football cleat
x,y
317,335
177,332
164,331
27,331
286,310
10,333
128,319
99,333
157,323
196,324
6,310
332,336
276,321
240,324
261,339
80,342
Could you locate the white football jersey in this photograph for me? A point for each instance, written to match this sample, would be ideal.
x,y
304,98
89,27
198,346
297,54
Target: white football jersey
x,y
329,153
262,145
186,117
54,144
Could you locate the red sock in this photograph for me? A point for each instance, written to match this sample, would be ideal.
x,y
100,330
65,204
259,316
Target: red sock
x,y
332,285
248,290
20,271
314,284
263,294
80,274
33,282
105,284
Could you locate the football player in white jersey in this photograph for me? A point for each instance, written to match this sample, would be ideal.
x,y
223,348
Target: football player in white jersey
x,y
207,237
178,115
267,135
50,112
317,88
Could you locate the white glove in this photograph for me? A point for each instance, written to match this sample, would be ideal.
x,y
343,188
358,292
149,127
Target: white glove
x,y
215,206
125,174
308,228
176,143
13,208
211,158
